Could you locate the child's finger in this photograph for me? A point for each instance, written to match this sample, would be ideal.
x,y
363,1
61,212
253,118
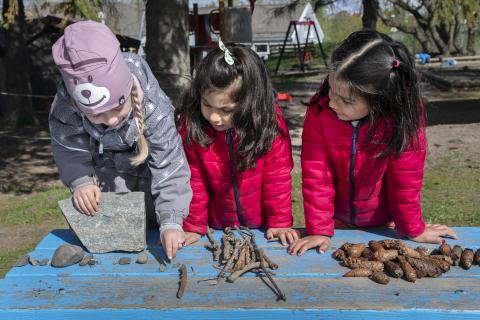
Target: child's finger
x,y
92,201
88,206
75,202
82,207
307,245
168,248
295,246
175,245
98,195
323,247
283,239
269,234
290,237
295,235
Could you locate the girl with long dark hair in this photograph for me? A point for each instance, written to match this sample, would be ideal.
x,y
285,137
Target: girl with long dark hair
x,y
238,147
363,145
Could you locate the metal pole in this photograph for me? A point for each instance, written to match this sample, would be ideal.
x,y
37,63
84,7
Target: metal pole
x,y
324,56
283,47
298,43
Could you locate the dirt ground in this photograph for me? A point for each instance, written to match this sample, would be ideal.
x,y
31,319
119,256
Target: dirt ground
x,y
27,165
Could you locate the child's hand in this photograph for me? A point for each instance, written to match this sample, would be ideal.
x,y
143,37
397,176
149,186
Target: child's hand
x,y
172,240
283,234
191,237
433,233
87,198
302,245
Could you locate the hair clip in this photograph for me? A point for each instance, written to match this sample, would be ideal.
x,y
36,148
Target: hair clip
x,y
396,63
227,53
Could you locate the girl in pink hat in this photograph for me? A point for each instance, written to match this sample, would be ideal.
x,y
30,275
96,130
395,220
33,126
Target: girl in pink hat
x,y
113,129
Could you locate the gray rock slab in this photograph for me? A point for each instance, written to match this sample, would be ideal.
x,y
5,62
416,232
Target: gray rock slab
x,y
119,224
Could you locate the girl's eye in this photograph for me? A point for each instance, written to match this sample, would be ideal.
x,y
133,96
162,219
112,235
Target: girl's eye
x,y
346,101
227,110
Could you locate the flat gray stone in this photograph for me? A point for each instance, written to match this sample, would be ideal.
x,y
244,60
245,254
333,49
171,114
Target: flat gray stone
x,y
119,224
67,255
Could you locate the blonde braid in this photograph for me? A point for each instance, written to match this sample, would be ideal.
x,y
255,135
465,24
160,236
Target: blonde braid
x,y
142,146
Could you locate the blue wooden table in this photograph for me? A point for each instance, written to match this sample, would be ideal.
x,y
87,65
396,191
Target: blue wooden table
x,y
313,284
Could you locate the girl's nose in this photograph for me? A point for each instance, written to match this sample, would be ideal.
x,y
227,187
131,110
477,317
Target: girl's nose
x,y
214,117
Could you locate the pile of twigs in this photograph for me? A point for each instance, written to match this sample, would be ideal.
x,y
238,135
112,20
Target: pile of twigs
x,y
400,260
238,255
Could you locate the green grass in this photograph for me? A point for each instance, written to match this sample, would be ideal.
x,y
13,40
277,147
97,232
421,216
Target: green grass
x,y
34,209
9,257
297,200
450,194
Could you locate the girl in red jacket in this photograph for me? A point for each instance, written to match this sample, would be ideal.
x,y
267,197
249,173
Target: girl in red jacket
x,y
238,147
363,145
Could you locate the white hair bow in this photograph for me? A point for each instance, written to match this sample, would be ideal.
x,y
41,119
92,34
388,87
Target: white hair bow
x,y
227,53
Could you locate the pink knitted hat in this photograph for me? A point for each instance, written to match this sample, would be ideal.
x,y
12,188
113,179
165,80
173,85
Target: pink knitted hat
x,y
92,66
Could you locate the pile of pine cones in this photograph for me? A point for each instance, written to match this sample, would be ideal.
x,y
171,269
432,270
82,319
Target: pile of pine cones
x,y
394,258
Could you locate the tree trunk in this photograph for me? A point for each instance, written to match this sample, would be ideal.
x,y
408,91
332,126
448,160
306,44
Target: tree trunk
x,y
17,108
471,36
369,17
167,47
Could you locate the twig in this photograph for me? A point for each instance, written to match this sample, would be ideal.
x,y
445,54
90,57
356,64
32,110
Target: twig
x,y
183,281
235,275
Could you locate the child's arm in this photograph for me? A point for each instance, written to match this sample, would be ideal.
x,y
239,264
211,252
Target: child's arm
x,y
404,184
277,188
318,178
197,221
70,143
404,177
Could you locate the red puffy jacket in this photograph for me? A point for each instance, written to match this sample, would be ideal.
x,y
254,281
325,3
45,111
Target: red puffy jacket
x,y
264,192
342,180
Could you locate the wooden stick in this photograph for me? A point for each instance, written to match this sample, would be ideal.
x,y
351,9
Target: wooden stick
x,y
235,275
183,281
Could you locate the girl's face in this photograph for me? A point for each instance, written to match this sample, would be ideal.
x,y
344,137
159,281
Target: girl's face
x,y
113,116
217,108
347,106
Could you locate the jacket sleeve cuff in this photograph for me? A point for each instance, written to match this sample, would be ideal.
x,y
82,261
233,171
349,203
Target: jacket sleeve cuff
x,y
174,217
411,232
315,231
83,181
196,229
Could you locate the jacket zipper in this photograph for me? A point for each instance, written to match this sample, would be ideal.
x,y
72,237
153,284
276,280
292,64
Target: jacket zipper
x,y
352,171
229,138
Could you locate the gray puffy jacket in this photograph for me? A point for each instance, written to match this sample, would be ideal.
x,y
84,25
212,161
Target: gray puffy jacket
x,y
79,146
